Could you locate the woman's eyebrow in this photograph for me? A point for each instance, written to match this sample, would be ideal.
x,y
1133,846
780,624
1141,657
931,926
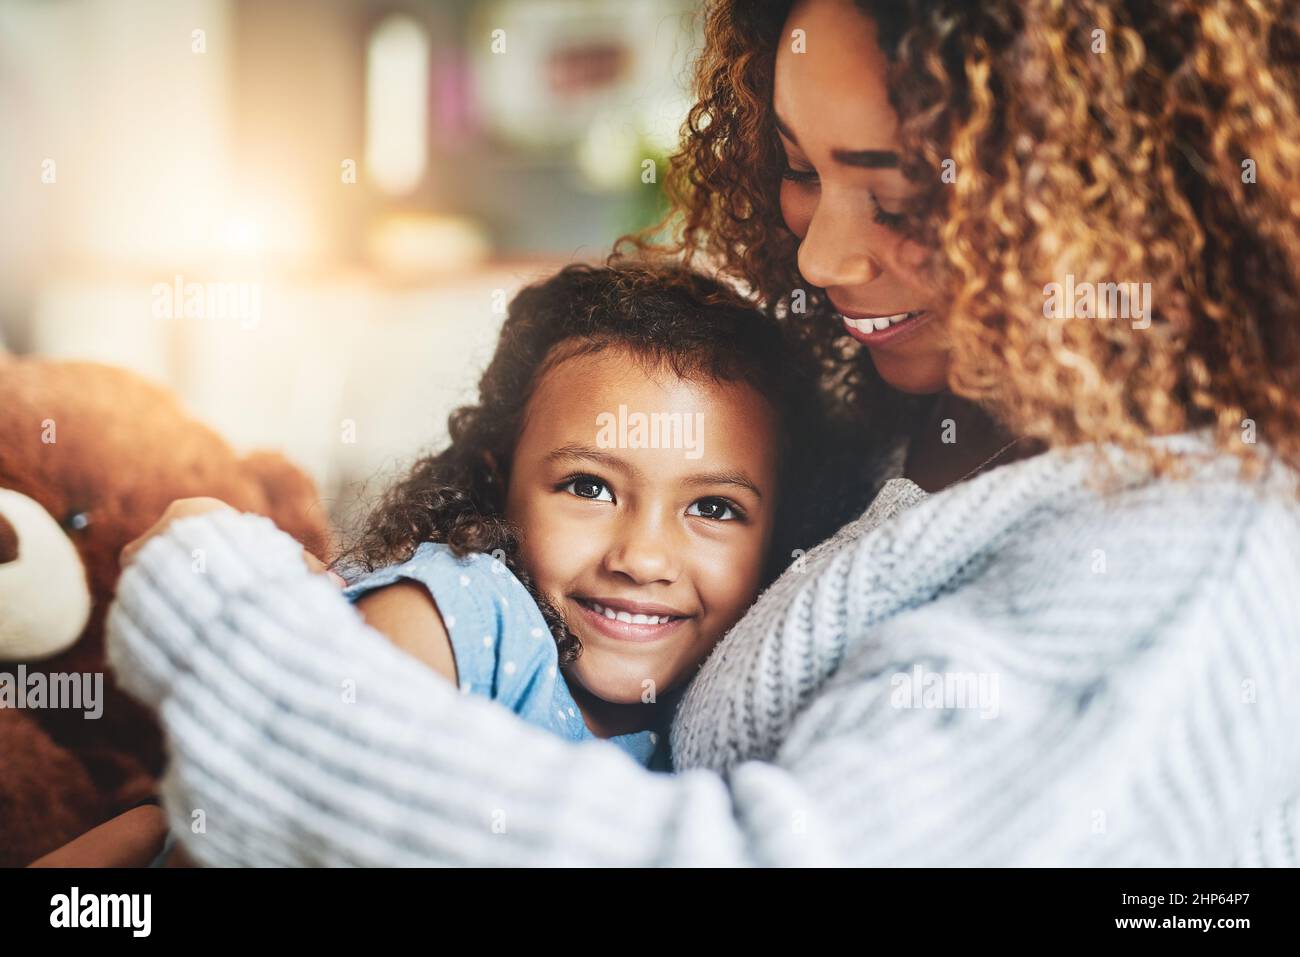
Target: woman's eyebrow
x,y
863,159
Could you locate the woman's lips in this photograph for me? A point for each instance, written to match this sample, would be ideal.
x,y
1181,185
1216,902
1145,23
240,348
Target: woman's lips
x,y
632,621
881,329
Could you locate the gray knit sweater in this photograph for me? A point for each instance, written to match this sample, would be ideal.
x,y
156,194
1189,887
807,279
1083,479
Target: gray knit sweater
x,y
1020,670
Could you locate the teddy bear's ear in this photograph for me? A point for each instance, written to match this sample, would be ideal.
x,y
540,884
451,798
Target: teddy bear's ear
x,y
292,501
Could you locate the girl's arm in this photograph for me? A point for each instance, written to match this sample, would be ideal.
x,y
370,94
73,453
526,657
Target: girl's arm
x,y
132,839
406,614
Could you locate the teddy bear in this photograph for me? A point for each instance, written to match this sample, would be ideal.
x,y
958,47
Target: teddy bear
x,y
90,456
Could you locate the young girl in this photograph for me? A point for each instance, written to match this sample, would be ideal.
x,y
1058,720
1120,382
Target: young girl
x,y
608,509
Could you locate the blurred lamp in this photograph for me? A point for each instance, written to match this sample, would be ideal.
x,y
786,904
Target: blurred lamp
x,y
397,112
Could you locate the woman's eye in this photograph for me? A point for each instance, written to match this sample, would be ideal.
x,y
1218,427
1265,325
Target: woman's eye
x,y
879,214
884,217
587,486
799,175
718,509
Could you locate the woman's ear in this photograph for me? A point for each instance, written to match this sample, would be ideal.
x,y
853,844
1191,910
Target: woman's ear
x,y
493,470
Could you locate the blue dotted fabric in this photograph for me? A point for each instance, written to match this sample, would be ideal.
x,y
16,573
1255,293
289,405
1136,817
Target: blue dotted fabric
x,y
503,649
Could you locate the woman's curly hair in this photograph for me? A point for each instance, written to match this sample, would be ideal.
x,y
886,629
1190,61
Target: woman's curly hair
x,y
669,317
1119,140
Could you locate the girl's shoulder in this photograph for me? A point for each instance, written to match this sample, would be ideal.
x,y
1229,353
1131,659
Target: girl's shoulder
x,y
501,643
480,600
437,561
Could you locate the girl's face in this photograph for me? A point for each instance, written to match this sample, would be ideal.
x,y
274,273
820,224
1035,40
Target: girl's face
x,y
844,195
669,540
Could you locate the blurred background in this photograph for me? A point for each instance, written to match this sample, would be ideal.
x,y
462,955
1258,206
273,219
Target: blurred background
x,y
306,216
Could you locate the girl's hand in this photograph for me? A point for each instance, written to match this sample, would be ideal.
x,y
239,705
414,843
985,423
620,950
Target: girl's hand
x,y
186,507
132,839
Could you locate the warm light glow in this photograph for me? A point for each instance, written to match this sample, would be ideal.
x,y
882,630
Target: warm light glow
x,y
262,229
243,236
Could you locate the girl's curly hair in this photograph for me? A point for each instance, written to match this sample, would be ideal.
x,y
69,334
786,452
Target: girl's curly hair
x,y
1118,140
669,317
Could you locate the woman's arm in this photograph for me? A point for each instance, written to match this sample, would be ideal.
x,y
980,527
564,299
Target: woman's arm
x,y
299,736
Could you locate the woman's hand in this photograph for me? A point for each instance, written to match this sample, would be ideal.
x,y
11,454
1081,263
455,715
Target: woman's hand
x,y
186,507
181,508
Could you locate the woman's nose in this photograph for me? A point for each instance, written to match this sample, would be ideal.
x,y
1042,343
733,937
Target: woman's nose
x,y
644,552
834,251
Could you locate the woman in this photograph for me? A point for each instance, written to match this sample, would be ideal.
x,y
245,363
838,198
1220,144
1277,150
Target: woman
x,y
1086,655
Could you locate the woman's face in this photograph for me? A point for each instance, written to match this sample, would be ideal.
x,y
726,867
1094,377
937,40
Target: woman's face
x,y
650,540
843,194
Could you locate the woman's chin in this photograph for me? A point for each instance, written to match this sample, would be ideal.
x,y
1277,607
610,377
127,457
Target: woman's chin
x,y
915,374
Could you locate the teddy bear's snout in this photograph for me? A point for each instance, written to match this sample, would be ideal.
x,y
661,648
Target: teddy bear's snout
x,y
8,541
44,598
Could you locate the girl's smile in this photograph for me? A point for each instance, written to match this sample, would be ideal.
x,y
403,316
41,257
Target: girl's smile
x,y
629,620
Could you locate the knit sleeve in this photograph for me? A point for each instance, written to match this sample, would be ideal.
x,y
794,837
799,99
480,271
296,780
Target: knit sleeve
x,y
1054,711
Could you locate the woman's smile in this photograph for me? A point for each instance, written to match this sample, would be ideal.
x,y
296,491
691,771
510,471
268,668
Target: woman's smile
x,y
879,330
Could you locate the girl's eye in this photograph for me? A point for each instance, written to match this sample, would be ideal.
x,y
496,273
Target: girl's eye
x,y
799,175
588,486
718,509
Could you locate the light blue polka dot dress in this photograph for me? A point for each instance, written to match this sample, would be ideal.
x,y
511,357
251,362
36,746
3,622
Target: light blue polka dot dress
x,y
503,649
